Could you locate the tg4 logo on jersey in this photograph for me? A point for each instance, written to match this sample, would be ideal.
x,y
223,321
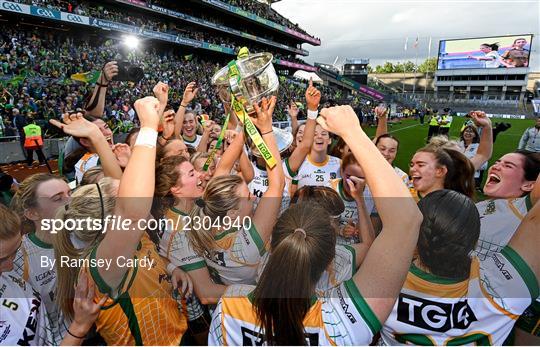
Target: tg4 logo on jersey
x,y
434,315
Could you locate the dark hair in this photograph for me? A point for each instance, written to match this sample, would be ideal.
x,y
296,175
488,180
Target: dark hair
x,y
326,197
460,170
348,159
448,234
531,164
337,148
476,138
133,132
493,46
296,130
302,248
386,136
191,150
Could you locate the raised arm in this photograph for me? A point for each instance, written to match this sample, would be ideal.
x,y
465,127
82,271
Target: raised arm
x,y
96,104
313,98
76,125
230,156
134,199
207,128
382,121
485,148
246,168
86,311
161,92
292,109
189,94
387,262
527,238
364,227
268,208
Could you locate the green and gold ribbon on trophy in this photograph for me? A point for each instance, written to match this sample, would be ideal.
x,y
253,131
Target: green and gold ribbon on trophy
x,y
244,82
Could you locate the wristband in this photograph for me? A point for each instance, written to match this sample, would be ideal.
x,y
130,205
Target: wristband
x,y
147,137
268,132
312,114
170,268
182,105
75,336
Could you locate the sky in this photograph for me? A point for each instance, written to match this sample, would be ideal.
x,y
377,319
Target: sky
x,y
378,29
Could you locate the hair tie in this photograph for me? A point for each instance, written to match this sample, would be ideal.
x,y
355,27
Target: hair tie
x,y
300,230
102,207
200,202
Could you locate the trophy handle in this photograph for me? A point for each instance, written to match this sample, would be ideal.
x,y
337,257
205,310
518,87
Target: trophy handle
x,y
238,91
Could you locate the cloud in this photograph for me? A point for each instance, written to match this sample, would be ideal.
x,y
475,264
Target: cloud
x,y
377,29
403,16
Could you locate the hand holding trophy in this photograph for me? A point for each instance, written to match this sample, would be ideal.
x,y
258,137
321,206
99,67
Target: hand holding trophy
x,y
243,84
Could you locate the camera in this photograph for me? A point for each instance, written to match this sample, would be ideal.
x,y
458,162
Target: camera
x,y
128,72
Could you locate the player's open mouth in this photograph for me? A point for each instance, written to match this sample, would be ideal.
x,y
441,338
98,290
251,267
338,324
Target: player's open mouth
x,y
416,179
109,140
200,184
493,179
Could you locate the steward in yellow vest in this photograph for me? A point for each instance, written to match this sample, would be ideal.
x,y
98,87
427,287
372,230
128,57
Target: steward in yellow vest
x,y
34,142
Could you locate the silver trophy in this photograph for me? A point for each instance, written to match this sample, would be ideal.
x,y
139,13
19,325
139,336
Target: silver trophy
x,y
258,79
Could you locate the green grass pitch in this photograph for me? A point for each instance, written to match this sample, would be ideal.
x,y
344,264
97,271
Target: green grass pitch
x,y
412,136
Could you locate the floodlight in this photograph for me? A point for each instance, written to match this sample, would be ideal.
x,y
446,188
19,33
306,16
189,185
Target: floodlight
x,y
131,42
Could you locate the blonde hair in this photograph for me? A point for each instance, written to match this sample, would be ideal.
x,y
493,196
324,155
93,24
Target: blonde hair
x,y
11,224
92,175
197,156
167,174
85,203
441,141
26,198
219,198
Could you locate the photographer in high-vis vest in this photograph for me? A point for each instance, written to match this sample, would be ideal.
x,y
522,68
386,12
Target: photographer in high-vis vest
x,y
34,142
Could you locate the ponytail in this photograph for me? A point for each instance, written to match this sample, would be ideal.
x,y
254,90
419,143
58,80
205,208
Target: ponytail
x,y
460,170
302,248
85,203
220,197
461,177
448,234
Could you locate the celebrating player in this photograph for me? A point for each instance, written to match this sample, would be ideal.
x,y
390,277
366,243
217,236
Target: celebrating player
x,y
249,315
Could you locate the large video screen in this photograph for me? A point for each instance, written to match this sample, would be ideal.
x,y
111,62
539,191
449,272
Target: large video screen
x,y
499,52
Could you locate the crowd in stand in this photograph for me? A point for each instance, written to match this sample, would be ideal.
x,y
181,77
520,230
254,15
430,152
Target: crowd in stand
x,y
265,11
106,12
323,239
225,230
47,61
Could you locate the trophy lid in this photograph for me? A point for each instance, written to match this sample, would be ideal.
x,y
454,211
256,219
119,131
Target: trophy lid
x,y
284,140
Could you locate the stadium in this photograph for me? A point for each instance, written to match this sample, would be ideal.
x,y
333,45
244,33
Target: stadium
x,y
275,196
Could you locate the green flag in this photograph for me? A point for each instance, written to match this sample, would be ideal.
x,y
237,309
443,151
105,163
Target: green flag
x,y
86,77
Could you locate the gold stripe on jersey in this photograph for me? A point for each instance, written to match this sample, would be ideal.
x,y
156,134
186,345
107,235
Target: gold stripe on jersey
x,y
513,208
144,311
241,308
423,282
